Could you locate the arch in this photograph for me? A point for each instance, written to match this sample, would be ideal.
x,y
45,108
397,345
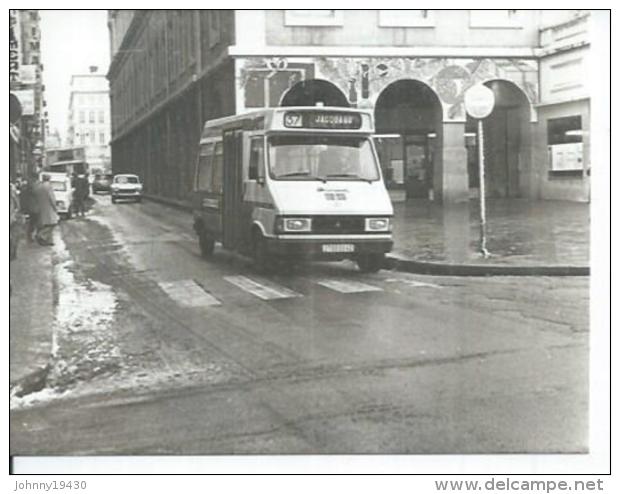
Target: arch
x,y
408,121
312,91
520,95
507,148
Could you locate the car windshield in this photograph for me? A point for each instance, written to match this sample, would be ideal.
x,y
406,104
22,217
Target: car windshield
x,y
126,180
306,157
59,186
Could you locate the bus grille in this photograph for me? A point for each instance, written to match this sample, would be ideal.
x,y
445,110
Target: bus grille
x,y
337,224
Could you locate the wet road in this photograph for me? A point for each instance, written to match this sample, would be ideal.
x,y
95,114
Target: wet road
x,y
160,351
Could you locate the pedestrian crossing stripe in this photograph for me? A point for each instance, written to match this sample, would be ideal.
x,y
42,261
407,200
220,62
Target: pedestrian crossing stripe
x,y
188,293
348,286
264,290
412,283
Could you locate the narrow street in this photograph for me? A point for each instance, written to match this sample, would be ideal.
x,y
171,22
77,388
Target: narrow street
x,y
158,351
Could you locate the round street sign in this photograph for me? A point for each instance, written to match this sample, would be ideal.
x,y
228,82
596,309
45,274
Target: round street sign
x,y
479,101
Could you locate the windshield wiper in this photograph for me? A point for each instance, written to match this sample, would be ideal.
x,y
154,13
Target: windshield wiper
x,y
300,174
347,175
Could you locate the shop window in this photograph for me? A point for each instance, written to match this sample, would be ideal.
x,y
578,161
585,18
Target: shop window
x,y
257,158
565,146
313,17
505,19
407,18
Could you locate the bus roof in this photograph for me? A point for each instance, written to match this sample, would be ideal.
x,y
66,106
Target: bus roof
x,y
300,118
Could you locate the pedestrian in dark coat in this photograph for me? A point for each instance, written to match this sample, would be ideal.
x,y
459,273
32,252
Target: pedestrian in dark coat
x,y
48,217
80,194
29,206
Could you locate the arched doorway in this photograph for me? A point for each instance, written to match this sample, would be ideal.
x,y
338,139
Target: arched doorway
x,y
312,92
506,142
408,117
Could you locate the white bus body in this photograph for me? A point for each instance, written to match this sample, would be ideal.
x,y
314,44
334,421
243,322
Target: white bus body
x,y
293,182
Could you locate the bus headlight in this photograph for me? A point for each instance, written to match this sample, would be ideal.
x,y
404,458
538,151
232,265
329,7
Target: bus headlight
x,y
293,225
378,225
60,204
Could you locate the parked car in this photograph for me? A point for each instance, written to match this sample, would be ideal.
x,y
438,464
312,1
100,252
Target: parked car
x,y
61,183
126,186
102,182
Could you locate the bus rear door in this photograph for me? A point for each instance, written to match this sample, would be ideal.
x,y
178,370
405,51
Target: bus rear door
x,y
232,189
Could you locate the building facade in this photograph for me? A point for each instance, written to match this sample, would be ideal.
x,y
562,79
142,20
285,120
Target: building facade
x,y
89,118
173,70
27,136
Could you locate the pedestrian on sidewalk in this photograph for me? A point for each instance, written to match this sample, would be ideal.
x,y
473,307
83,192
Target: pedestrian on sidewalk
x,y
48,216
80,187
13,221
29,206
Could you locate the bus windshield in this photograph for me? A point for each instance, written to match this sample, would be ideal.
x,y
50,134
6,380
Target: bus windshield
x,y
307,157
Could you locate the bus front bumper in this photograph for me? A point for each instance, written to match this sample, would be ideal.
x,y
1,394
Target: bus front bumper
x,y
327,246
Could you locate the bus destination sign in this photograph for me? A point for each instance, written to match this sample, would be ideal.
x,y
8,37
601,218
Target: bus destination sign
x,y
323,120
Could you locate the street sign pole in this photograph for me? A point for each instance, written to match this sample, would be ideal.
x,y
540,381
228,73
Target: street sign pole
x,y
483,209
479,103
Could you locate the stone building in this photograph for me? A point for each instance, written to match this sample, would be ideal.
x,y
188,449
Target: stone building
x,y
27,137
89,118
173,70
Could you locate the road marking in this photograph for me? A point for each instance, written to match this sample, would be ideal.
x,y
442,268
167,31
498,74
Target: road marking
x,y
412,283
264,290
188,293
348,286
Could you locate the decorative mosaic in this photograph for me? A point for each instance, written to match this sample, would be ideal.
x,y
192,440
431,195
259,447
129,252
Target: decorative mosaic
x,y
363,79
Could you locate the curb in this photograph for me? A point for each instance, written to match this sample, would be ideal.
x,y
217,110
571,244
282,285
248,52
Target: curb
x,y
439,268
447,269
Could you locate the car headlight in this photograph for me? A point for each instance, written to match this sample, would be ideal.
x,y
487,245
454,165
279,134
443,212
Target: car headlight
x,y
378,225
114,187
294,224
139,187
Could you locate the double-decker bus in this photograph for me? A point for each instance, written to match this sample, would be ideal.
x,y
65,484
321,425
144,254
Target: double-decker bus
x,y
293,182
66,160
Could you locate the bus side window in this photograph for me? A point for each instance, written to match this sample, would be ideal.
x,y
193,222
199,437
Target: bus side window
x,y
218,163
257,158
205,168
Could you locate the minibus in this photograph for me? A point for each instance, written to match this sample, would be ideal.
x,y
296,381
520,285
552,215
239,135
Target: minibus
x,y
293,183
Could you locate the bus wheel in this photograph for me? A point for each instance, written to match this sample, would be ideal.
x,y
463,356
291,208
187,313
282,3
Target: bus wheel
x,y
262,260
370,263
207,244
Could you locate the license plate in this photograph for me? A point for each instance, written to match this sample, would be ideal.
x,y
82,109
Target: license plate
x,y
338,248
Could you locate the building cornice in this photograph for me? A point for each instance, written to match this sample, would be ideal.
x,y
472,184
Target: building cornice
x,y
385,51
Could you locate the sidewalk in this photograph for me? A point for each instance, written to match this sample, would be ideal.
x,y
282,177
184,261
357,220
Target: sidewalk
x,y
31,310
523,237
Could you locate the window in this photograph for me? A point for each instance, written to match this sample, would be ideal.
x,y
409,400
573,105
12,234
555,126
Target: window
x,y
91,116
205,167
257,158
407,18
321,158
101,117
101,138
313,17
82,139
210,168
565,144
82,116
92,137
505,19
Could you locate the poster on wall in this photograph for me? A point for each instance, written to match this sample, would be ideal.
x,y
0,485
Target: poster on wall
x,y
565,157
